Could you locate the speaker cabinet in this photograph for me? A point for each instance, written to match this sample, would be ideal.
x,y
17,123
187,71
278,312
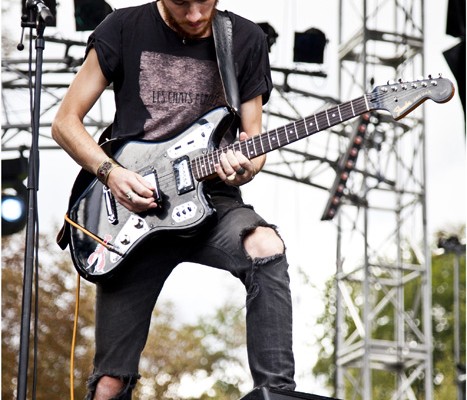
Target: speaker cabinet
x,y
278,394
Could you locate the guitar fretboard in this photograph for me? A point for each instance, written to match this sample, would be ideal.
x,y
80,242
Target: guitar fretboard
x,y
204,166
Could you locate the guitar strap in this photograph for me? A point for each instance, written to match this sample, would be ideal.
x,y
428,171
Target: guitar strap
x,y
222,33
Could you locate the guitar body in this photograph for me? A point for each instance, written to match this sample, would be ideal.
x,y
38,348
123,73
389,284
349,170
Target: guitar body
x,y
183,206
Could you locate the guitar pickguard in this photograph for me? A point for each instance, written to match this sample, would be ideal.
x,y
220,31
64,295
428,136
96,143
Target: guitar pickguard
x,y
134,228
197,139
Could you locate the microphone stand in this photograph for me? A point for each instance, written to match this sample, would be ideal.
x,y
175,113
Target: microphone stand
x,y
38,15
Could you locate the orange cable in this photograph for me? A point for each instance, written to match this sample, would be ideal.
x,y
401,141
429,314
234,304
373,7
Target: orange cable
x,y
107,245
73,340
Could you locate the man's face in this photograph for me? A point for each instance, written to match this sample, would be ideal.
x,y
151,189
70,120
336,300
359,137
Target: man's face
x,y
190,18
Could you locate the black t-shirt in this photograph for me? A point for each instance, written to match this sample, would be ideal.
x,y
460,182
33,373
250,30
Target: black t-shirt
x,y
163,83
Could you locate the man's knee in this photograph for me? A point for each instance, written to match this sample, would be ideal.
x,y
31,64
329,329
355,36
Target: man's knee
x,y
108,387
263,242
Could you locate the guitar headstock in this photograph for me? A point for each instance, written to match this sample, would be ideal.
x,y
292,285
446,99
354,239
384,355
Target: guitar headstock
x,y
402,97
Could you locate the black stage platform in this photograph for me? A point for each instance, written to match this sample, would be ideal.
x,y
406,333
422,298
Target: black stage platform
x,y
278,394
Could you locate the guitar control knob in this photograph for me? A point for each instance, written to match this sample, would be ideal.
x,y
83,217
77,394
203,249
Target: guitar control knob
x,y
125,240
139,223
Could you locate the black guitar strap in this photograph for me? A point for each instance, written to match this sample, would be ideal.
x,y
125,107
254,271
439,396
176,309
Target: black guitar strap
x,y
222,33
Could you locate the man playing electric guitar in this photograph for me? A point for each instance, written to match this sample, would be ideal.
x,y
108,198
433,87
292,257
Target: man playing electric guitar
x,y
166,71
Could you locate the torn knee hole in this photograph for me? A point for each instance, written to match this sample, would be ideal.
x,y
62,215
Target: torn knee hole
x,y
263,242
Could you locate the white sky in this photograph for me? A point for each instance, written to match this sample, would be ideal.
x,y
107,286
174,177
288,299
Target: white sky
x,y
311,243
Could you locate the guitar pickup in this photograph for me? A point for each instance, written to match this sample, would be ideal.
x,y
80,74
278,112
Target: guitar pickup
x,y
151,177
183,176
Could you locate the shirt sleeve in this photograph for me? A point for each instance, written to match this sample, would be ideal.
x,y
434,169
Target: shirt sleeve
x,y
106,40
252,60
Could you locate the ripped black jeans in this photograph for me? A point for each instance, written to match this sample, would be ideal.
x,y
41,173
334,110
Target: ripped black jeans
x,y
126,301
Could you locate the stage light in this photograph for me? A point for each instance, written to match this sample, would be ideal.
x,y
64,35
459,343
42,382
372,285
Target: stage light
x,y
309,46
14,195
451,244
270,32
90,13
345,166
13,213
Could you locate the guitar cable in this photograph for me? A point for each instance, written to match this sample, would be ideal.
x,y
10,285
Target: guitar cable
x,y
77,291
73,339
107,245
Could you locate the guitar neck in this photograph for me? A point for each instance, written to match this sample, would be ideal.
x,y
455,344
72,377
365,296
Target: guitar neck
x,y
204,166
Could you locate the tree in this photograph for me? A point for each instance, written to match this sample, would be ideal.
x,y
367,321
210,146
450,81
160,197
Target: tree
x,y
446,367
444,378
56,314
211,350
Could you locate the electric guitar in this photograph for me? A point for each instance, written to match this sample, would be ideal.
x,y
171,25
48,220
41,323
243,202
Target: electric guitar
x,y
103,232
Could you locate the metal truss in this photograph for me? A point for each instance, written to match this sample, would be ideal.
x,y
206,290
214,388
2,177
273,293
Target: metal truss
x,y
313,160
383,341
383,281
17,97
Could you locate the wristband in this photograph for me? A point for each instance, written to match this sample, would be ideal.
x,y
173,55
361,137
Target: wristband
x,y
105,168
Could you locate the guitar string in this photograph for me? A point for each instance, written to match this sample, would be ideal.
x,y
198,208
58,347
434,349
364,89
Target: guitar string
x,y
322,120
283,135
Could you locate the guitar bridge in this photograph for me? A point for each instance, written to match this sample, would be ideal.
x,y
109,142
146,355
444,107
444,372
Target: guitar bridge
x,y
110,205
183,176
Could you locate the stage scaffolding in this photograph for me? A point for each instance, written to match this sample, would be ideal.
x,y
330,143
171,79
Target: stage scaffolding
x,y
391,271
383,279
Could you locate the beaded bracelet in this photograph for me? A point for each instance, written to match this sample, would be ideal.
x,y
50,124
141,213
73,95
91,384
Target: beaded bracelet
x,y
104,169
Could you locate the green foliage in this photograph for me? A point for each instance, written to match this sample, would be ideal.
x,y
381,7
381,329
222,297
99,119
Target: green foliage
x,y
207,351
325,365
211,351
56,315
443,316
443,322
